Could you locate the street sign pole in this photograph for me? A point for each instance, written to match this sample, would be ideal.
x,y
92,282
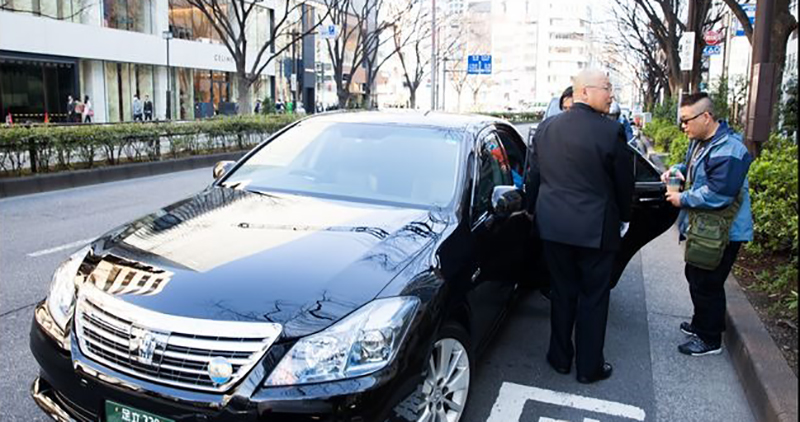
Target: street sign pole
x,y
433,54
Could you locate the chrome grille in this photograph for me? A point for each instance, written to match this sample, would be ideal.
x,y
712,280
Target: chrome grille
x,y
164,348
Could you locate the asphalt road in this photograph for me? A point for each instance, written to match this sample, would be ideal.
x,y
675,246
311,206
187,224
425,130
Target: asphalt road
x,y
512,383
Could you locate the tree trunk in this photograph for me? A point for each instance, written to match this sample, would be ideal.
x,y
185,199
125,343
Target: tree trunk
x,y
245,101
412,97
782,27
343,97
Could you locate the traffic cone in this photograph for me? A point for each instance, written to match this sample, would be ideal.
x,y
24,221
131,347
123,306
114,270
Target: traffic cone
x,y
46,118
10,119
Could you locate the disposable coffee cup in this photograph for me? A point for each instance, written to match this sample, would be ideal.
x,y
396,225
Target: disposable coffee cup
x,y
674,184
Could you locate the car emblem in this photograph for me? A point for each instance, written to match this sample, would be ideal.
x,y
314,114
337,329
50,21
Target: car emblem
x,y
144,343
220,370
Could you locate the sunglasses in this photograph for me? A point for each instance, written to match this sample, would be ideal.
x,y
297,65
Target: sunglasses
x,y
686,121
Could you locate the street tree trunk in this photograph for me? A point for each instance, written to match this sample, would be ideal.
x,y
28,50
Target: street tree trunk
x,y
244,96
412,98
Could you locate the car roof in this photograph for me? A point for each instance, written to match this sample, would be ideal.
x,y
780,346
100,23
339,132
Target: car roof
x,y
408,118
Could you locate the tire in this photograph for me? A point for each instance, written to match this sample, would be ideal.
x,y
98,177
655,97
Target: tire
x,y
446,383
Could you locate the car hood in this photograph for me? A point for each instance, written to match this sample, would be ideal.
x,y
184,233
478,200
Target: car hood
x,y
228,254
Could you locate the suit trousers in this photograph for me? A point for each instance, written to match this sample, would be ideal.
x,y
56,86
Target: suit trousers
x,y
707,288
581,279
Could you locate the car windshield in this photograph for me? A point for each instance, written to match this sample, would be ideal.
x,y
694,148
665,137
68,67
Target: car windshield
x,y
415,166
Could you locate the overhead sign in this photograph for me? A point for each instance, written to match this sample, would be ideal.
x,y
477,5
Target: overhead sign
x,y
713,37
479,64
750,11
686,50
712,50
328,31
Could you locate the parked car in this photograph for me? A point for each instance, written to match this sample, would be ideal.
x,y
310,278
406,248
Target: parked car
x,y
350,268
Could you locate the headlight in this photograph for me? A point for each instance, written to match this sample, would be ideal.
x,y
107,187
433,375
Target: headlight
x,y
364,342
62,289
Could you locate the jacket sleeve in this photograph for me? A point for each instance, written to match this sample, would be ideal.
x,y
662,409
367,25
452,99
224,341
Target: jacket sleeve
x,y
725,176
532,177
623,176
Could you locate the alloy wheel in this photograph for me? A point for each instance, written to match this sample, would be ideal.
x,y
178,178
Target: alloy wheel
x,y
444,391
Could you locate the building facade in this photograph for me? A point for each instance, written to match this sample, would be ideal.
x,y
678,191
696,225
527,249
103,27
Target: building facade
x,y
112,50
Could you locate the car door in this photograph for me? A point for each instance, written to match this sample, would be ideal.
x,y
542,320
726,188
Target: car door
x,y
493,280
652,214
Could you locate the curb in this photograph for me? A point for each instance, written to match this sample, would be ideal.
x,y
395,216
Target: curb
x,y
768,382
71,179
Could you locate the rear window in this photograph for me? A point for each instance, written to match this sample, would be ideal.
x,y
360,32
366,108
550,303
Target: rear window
x,y
390,163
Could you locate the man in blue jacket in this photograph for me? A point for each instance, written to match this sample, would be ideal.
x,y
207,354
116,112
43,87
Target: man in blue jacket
x,y
716,166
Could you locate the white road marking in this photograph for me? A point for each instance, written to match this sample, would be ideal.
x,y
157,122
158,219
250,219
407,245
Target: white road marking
x,y
590,420
512,398
543,419
60,248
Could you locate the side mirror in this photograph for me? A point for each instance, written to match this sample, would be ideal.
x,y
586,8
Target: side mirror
x,y
506,200
221,168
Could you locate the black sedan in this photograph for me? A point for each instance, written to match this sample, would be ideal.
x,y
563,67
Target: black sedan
x,y
350,268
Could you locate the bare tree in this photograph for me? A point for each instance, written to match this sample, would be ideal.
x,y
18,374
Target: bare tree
x,y
634,38
381,37
412,39
230,19
348,50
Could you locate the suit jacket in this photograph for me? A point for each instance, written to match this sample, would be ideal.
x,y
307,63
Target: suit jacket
x,y
582,170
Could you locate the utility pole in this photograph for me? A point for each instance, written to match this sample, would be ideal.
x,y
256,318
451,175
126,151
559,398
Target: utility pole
x,y
167,35
433,54
444,82
690,27
759,104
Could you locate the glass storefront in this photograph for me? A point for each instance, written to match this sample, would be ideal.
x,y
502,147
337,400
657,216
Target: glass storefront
x,y
123,81
129,15
31,88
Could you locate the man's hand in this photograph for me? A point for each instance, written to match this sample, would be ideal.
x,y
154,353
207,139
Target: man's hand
x,y
665,175
674,198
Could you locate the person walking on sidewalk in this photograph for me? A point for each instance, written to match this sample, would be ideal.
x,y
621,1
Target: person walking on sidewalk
x,y
716,192
138,109
584,173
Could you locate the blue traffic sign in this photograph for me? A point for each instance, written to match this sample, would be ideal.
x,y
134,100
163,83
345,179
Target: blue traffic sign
x,y
712,50
479,64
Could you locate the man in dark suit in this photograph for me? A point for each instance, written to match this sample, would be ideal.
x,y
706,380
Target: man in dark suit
x,y
584,174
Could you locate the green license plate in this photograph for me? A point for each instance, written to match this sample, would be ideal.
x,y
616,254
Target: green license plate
x,y
116,412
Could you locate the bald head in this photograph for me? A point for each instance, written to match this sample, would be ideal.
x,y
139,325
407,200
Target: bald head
x,y
587,77
591,87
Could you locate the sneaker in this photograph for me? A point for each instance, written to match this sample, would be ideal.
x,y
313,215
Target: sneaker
x,y
697,347
688,329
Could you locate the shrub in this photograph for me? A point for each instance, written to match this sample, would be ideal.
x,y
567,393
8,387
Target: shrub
x,y
773,193
47,147
677,150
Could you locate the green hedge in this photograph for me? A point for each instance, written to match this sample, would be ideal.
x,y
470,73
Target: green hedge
x,y
664,133
773,192
46,148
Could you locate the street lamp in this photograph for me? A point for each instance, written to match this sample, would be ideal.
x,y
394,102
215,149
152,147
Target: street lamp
x,y
167,35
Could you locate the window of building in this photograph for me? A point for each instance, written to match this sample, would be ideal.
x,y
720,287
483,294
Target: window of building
x,y
129,15
31,88
189,23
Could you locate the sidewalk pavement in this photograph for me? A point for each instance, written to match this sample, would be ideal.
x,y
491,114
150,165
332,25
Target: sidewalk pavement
x,y
769,383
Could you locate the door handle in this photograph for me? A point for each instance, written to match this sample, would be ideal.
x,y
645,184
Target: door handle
x,y
476,274
649,199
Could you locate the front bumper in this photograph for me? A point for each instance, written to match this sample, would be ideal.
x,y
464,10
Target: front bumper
x,y
68,393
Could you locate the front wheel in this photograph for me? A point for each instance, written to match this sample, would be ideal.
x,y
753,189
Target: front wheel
x,y
446,386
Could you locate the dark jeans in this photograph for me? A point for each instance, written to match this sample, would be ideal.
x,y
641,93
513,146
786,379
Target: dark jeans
x,y
707,288
579,297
